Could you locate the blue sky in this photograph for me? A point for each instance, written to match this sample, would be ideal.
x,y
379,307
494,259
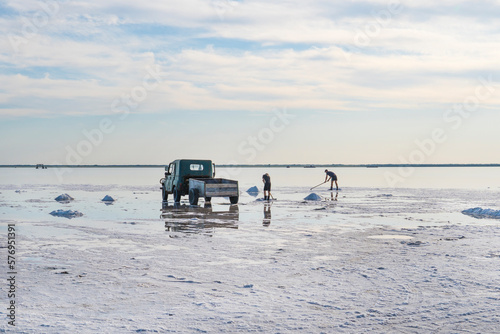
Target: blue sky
x,y
126,82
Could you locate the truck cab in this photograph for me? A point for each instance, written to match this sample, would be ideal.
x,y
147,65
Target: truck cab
x,y
178,173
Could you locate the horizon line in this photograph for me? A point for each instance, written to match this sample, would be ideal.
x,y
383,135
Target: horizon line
x,y
281,165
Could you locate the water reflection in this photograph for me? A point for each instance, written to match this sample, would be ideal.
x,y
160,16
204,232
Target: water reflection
x,y
267,214
196,219
336,196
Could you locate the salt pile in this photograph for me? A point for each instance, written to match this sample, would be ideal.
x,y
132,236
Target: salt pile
x,y
482,213
254,191
108,198
66,213
313,197
64,198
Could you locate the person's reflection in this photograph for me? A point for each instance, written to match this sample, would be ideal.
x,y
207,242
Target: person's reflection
x,y
267,214
336,196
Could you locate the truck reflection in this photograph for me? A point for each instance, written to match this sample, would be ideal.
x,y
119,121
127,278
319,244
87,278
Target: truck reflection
x,y
195,219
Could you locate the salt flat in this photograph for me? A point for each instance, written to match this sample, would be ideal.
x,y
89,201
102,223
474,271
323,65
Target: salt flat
x,y
365,260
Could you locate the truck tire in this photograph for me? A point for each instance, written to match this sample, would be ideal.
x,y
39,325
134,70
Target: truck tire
x,y
177,195
208,199
164,193
193,196
234,199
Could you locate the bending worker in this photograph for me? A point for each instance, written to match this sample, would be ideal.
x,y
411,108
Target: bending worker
x,y
332,178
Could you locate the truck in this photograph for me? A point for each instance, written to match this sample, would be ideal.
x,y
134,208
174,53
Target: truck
x,y
196,178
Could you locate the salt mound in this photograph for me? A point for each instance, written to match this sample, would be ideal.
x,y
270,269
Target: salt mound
x,y
313,197
66,213
482,213
254,191
64,198
108,198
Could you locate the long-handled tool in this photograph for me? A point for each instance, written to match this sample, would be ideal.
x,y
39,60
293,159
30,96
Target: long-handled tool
x,y
318,185
272,196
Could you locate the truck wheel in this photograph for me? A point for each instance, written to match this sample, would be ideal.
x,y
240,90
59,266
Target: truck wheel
x,y
177,195
164,193
208,199
193,196
234,199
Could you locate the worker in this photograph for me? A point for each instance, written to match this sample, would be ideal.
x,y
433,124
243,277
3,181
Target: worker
x,y
332,178
267,185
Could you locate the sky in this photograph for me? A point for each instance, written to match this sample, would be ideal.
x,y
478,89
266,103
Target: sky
x,y
250,82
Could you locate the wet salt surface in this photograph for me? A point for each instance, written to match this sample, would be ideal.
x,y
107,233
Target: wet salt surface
x,y
363,260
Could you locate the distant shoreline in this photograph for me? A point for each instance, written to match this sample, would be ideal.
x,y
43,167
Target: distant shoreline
x,y
267,166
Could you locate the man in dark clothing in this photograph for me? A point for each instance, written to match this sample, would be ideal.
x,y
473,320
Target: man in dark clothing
x,y
267,185
332,178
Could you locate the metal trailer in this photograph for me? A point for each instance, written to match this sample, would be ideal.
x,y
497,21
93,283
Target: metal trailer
x,y
209,188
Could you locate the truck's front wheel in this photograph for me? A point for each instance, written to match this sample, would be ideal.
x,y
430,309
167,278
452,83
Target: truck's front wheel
x,y
234,199
164,193
177,195
193,196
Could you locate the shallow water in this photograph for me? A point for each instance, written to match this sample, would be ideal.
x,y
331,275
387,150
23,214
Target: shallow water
x,y
138,199
422,177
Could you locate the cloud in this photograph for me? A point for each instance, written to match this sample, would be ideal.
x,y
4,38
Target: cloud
x,y
245,55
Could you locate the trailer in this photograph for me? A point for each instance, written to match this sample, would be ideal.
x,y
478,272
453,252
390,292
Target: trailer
x,y
209,188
